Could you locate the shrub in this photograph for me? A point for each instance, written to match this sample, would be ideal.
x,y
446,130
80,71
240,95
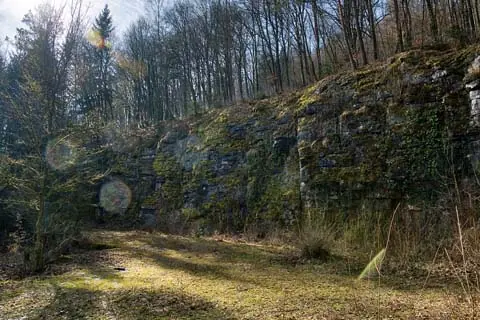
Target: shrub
x,y
317,240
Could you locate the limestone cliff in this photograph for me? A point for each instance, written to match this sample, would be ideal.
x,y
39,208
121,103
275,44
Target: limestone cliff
x,y
354,141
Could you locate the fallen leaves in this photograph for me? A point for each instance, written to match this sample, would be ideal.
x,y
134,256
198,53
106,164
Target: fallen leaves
x,y
142,276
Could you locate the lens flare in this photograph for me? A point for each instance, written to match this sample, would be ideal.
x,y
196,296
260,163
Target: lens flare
x,y
115,197
60,154
135,68
374,266
95,39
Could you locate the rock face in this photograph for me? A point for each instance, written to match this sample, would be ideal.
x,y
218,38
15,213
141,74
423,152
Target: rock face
x,y
354,141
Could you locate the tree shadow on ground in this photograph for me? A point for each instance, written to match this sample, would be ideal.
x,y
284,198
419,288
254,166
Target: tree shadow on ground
x,y
80,303
193,268
104,264
222,255
69,303
100,260
163,303
213,259
226,251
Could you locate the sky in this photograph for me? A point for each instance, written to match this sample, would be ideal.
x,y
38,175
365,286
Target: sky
x,y
123,12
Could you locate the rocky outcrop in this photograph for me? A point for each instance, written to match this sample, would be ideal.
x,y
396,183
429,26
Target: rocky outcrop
x,y
361,140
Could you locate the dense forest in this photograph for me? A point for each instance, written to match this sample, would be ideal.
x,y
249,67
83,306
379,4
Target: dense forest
x,y
191,56
243,117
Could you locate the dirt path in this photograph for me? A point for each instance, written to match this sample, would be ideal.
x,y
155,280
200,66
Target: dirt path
x,y
166,277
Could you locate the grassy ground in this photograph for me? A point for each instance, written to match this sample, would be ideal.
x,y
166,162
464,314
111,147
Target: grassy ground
x,y
154,276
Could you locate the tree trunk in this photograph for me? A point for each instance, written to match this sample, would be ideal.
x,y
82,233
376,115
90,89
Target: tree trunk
x,y
433,20
373,32
360,33
316,32
398,25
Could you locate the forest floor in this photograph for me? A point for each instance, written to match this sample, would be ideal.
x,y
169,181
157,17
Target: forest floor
x,y
135,275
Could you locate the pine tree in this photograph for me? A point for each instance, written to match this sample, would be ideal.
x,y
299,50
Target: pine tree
x,y
97,89
103,26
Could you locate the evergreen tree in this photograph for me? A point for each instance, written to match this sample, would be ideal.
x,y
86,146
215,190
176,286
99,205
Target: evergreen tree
x,y
103,24
97,95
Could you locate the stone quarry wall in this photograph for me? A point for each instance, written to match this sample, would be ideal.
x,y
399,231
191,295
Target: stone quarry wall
x,y
363,140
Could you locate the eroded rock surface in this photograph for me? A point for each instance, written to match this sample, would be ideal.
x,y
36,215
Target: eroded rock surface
x,y
355,141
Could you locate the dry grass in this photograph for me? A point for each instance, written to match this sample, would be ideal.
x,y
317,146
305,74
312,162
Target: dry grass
x,y
317,241
171,277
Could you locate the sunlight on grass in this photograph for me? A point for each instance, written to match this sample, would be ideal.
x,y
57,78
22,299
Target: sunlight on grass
x,y
169,277
84,279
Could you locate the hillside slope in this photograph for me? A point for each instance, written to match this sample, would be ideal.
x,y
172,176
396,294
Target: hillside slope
x,y
353,142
